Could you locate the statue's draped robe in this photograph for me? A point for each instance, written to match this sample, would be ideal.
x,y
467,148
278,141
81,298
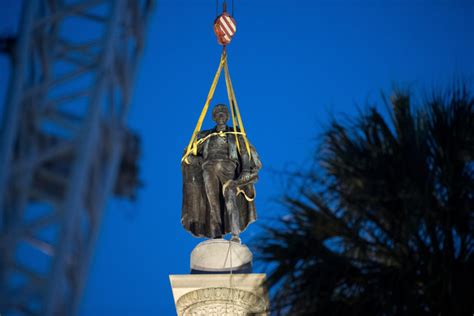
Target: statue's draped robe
x,y
196,210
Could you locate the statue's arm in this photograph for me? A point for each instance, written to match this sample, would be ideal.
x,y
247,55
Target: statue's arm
x,y
250,165
193,159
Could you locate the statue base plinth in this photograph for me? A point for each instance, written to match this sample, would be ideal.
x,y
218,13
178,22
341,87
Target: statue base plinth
x,y
220,256
219,294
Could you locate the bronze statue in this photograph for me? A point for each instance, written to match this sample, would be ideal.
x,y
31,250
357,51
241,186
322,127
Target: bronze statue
x,y
218,181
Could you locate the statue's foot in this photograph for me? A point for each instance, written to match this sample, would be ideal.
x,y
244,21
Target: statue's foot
x,y
236,238
216,232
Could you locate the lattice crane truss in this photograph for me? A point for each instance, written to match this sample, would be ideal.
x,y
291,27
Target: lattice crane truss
x,y
62,144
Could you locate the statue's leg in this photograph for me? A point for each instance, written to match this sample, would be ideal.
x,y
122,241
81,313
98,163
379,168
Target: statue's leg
x,y
211,186
230,197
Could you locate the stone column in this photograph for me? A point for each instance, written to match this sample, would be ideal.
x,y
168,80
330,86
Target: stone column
x,y
221,282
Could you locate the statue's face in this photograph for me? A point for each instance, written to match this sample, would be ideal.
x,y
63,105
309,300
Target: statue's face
x,y
221,117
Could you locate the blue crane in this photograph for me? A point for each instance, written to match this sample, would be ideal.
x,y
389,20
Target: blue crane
x,y
64,145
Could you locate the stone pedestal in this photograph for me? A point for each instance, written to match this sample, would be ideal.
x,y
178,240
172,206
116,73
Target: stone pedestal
x,y
220,283
221,256
219,294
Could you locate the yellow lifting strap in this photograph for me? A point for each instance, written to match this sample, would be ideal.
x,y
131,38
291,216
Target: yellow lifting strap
x,y
233,105
193,143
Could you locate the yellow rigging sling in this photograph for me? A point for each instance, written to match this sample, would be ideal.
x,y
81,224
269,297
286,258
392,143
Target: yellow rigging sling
x,y
236,118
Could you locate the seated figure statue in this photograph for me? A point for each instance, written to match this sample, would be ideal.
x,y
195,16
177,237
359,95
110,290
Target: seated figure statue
x,y
218,182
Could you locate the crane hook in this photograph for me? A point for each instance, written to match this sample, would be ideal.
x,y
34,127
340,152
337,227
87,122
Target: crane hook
x,y
224,26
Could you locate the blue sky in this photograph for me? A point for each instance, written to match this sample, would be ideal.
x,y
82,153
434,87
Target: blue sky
x,y
293,65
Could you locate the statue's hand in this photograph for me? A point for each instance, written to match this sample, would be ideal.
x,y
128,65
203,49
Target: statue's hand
x,y
193,159
244,177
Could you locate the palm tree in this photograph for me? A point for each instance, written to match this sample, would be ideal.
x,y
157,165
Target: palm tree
x,y
383,225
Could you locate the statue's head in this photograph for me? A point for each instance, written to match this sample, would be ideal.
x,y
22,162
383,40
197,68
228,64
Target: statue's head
x,y
220,114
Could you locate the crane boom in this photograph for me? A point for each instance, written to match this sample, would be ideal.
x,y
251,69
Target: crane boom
x,y
62,139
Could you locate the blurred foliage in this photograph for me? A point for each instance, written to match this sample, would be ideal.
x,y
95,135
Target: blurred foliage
x,y
383,225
